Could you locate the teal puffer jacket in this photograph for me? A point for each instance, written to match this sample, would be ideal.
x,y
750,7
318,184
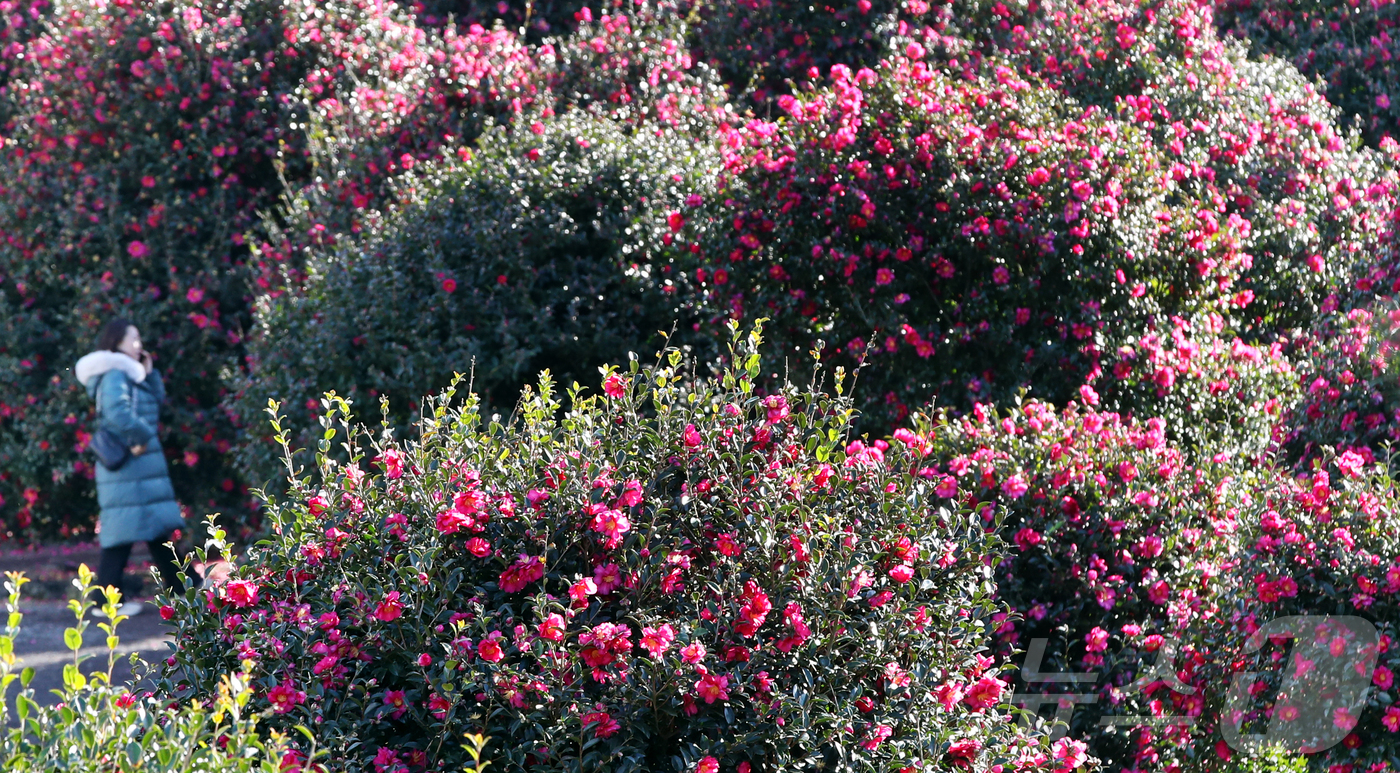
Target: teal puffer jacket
x,y
137,501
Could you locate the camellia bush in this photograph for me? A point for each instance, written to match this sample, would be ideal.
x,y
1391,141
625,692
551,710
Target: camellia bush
x,y
546,248
1319,542
136,144
1350,47
667,575
1116,540
972,216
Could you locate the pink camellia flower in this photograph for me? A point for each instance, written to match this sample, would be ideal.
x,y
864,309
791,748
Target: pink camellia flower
x,y
393,463
612,524
713,687
489,649
985,693
1382,677
1038,176
615,386
390,609
581,590
1069,753
883,276
241,593
902,573
692,437
194,294
1391,720
318,504
552,629
425,660
607,578
675,221
478,547
1015,486
439,706
1088,395
727,545
707,765
948,487
693,653
776,408
136,249
167,612
449,285
469,502
657,640
877,736
284,696
451,522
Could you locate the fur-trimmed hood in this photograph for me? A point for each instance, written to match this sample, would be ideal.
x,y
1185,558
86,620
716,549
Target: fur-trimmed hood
x,y
94,364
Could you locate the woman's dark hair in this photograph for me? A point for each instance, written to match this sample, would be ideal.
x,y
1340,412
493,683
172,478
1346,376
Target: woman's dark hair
x,y
113,333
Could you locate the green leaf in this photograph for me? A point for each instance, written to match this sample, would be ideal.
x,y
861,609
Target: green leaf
x,y
26,676
73,638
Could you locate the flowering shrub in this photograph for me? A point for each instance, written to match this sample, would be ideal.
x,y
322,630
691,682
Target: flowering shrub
x,y
1320,542
970,215
540,250
1115,536
1349,46
667,575
1349,396
135,147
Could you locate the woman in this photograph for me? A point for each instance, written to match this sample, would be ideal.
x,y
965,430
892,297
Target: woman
x,y
137,501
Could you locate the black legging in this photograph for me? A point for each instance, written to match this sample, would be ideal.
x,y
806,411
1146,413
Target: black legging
x,y
113,566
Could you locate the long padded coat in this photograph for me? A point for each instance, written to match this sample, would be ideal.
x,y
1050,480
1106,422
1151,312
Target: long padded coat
x,y
137,501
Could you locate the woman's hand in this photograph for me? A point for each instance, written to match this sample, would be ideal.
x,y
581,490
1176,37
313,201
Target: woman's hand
x,y
146,361
138,450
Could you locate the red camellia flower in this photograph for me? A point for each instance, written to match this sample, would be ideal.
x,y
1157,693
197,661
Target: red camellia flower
x,y
284,696
552,629
675,220
449,285
603,724
241,593
713,687
167,612
390,608
125,700
490,650
614,386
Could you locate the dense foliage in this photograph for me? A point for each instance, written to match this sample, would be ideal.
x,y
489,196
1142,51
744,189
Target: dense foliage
x,y
538,251
667,575
1115,287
